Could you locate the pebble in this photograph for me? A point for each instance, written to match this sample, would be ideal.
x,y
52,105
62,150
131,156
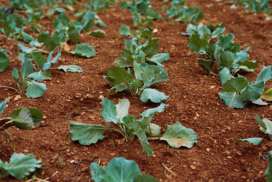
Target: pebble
x,y
243,177
17,98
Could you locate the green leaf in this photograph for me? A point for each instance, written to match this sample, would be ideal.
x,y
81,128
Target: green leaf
x,y
97,172
232,99
120,169
267,95
206,65
224,41
153,94
153,130
97,33
22,118
137,70
100,24
87,134
204,32
225,75
84,50
61,21
153,111
40,76
125,30
3,106
154,74
248,66
122,108
158,59
27,38
36,115
39,59
35,89
178,136
134,85
26,69
235,85
255,141
25,49
119,75
108,111
253,91
21,165
261,123
145,178
15,75
268,172
227,59
118,88
196,44
4,60
71,68
265,74
47,64
73,34
122,62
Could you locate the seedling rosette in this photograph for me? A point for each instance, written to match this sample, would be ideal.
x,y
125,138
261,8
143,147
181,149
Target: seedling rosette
x,y
176,135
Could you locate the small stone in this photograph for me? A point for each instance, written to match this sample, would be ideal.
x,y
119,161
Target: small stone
x,y
192,167
52,161
25,151
243,177
208,149
44,117
17,98
229,157
155,30
211,180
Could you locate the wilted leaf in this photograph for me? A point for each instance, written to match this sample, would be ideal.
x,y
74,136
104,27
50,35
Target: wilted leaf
x,y
152,94
122,62
71,68
179,136
153,111
206,65
267,95
255,141
122,108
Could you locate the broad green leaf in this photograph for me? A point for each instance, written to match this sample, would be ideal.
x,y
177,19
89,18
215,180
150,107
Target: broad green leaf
x,y
145,121
232,99
122,62
255,141
27,38
122,108
134,85
218,32
62,21
26,69
178,136
124,30
86,134
15,75
154,95
39,59
267,95
97,33
224,41
153,111
261,123
206,65
158,59
36,115
21,165
35,89
196,44
134,127
73,34
22,118
137,70
253,91
204,32
153,130
154,74
47,64
71,68
40,76
268,172
120,169
118,88
265,74
150,48
225,75
119,75
145,178
84,50
3,106
4,60
97,172
248,66
108,111
235,85
227,59
100,24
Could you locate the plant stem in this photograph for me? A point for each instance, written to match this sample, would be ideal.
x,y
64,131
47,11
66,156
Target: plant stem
x,y
6,124
120,133
4,119
9,87
153,138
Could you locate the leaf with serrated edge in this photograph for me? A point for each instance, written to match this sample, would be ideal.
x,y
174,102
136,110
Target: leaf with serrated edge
x,y
21,165
153,94
86,134
255,141
108,111
179,136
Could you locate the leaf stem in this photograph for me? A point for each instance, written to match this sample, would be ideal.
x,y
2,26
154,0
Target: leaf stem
x,y
6,123
120,133
153,138
9,87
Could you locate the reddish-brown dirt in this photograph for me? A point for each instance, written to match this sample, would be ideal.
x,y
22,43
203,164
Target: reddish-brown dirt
x,y
193,100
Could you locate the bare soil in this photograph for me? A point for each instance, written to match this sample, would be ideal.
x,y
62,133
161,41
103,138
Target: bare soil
x,y
193,100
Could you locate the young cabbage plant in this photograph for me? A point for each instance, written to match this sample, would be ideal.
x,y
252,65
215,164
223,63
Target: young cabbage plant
x,y
252,6
265,126
23,118
119,169
19,166
176,135
98,5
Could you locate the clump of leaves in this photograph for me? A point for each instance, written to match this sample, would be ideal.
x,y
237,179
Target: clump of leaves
x,y
4,60
253,6
22,118
98,5
183,13
119,169
176,135
19,166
